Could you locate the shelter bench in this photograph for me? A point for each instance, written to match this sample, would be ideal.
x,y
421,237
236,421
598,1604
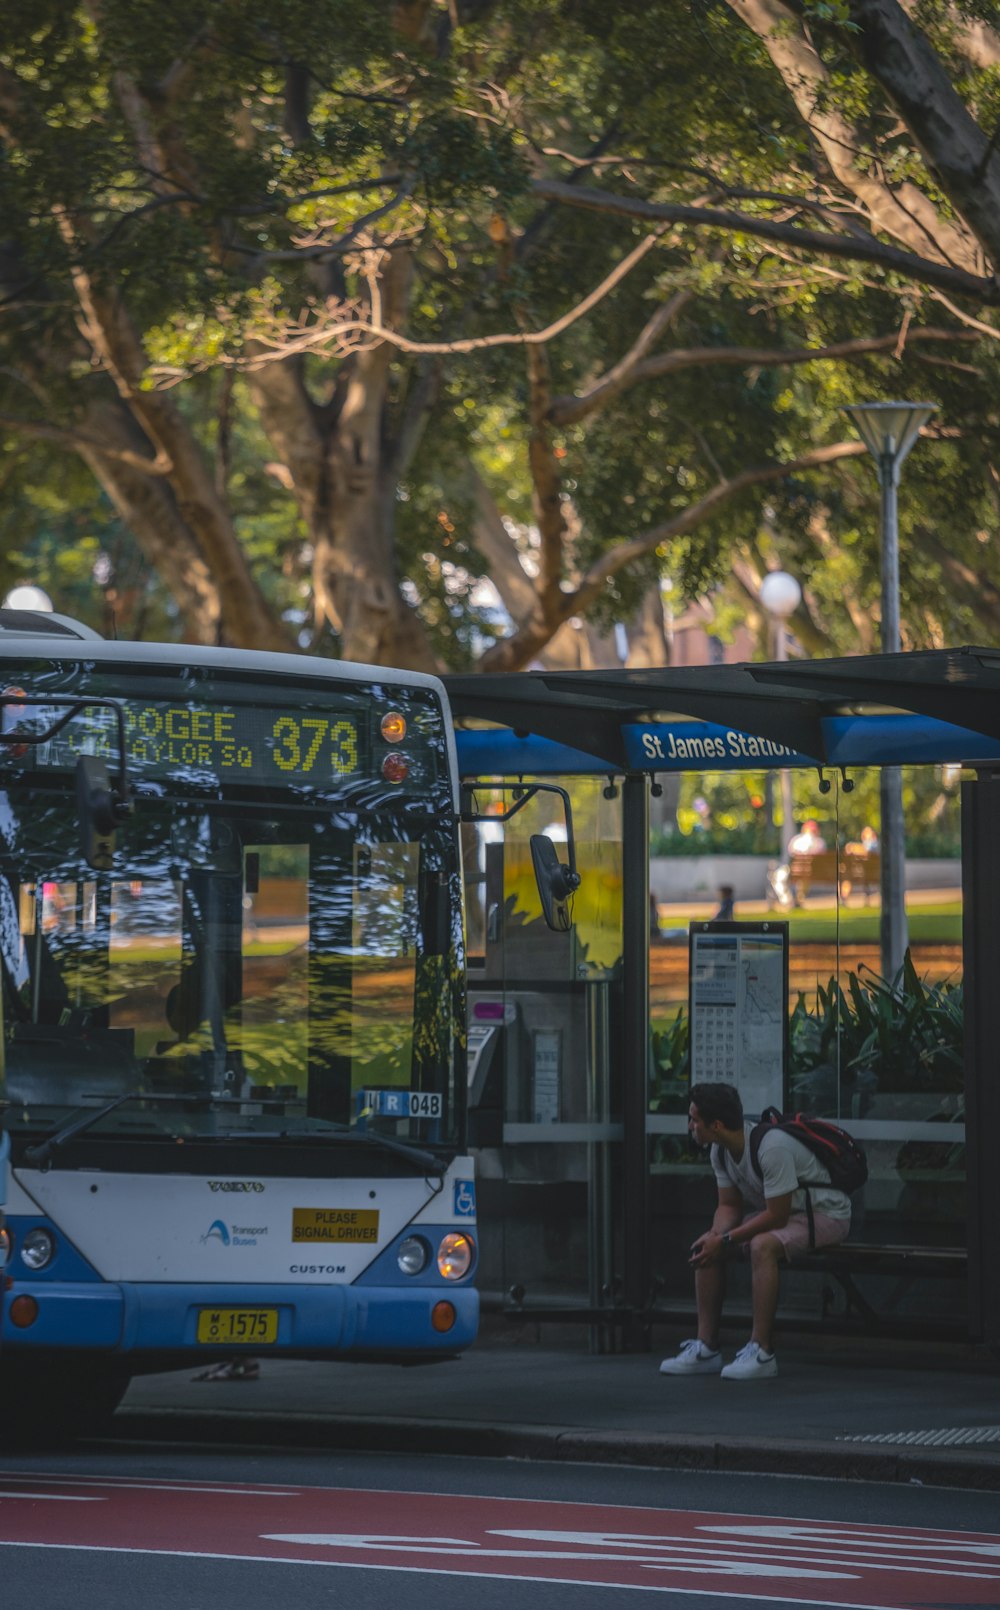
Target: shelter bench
x,y
848,1259
835,869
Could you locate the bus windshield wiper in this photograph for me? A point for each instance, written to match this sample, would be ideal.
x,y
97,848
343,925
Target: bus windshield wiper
x,y
40,1156
416,1155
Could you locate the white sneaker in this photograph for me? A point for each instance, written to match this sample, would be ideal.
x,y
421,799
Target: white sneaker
x,y
751,1364
694,1358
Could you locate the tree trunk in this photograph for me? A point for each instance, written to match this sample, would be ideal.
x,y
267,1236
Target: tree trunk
x,y
148,508
342,468
899,208
647,634
246,618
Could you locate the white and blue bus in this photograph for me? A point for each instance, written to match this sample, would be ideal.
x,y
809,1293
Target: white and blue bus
x,y
232,995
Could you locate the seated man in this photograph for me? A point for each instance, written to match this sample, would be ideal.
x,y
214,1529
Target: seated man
x,y
764,1216
807,841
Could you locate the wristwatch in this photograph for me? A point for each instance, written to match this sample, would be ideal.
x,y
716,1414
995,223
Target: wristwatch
x,y
726,1239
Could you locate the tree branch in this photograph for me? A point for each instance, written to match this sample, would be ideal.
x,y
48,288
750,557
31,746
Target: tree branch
x,y
318,335
79,440
861,249
515,651
567,410
622,374
626,552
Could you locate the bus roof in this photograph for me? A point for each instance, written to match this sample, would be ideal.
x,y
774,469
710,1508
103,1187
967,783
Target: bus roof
x,y
60,638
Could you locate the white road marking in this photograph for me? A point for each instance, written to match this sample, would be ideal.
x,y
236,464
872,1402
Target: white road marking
x,y
460,1547
834,1551
770,1598
122,1484
55,1498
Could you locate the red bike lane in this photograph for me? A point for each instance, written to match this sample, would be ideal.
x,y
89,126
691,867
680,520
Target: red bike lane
x,y
746,1556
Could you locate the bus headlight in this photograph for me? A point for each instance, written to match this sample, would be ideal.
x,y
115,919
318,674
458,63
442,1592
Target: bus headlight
x,y
455,1256
37,1249
412,1255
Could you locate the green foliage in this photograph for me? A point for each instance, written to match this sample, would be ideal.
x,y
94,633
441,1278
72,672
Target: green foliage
x,y
751,838
891,1039
904,1036
724,813
670,1065
307,141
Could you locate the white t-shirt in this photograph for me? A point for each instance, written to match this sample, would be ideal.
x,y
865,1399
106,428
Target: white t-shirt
x,y
784,1161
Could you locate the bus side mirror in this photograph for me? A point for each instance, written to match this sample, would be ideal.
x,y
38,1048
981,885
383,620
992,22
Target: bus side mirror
x,y
95,805
555,882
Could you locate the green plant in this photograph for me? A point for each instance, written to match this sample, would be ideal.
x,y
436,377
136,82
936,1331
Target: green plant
x,y
899,1036
871,1035
752,838
670,1065
756,838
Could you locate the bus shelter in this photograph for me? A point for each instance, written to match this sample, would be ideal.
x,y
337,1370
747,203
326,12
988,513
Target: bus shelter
x,y
582,1044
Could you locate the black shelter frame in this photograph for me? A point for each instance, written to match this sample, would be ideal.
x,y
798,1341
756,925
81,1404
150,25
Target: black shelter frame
x,y
784,702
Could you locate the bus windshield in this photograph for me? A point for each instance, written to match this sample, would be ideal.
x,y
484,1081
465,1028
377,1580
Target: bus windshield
x,y
262,959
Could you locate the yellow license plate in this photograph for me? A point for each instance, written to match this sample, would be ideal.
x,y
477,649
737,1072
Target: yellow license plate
x,y
237,1327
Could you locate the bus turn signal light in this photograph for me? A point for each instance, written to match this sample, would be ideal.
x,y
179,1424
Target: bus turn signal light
x,y
442,1316
395,767
393,727
23,1311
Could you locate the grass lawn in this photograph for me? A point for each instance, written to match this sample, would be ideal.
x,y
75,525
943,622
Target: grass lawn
x,y
929,925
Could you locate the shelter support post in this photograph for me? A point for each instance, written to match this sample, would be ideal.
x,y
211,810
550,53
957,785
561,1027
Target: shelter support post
x,y
635,1055
981,952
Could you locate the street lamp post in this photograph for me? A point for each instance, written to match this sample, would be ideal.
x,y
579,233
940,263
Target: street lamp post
x,y
781,595
889,430
27,596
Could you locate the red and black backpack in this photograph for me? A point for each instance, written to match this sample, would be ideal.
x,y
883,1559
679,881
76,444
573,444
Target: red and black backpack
x,y
840,1154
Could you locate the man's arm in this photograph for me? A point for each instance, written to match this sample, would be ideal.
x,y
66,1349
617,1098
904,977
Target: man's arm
x,y
776,1214
728,1214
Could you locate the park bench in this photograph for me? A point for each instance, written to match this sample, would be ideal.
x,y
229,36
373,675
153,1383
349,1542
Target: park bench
x,y
835,869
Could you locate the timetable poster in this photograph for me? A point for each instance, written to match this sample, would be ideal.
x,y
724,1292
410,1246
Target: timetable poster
x,y
738,1005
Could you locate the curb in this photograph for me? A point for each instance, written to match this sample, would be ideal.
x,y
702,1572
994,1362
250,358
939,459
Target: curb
x,y
830,1460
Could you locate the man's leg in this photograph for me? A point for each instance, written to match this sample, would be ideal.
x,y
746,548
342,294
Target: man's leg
x,y
710,1293
700,1355
766,1257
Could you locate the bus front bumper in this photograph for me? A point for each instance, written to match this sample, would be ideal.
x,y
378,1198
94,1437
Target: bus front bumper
x,y
306,1321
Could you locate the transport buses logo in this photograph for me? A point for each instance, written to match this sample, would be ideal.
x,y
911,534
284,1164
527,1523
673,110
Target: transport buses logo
x,y
235,1185
335,1224
234,1235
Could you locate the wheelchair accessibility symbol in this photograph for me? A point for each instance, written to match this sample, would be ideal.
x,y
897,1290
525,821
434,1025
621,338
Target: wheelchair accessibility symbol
x,y
465,1199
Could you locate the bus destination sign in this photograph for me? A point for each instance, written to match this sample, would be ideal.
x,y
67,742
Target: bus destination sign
x,y
231,743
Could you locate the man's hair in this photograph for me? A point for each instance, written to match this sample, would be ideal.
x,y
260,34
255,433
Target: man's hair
x,y
718,1101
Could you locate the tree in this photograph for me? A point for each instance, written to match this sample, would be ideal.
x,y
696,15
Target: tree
x,y
286,286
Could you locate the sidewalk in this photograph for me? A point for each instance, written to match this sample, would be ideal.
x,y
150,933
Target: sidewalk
x,y
853,1409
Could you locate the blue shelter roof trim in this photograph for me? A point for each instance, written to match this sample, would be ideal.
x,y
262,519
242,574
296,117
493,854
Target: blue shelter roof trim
x,y
806,712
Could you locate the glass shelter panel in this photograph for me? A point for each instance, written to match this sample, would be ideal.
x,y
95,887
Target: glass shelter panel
x,y
877,1049
545,1104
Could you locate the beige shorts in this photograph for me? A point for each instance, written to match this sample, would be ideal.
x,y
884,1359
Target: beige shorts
x,y
794,1237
